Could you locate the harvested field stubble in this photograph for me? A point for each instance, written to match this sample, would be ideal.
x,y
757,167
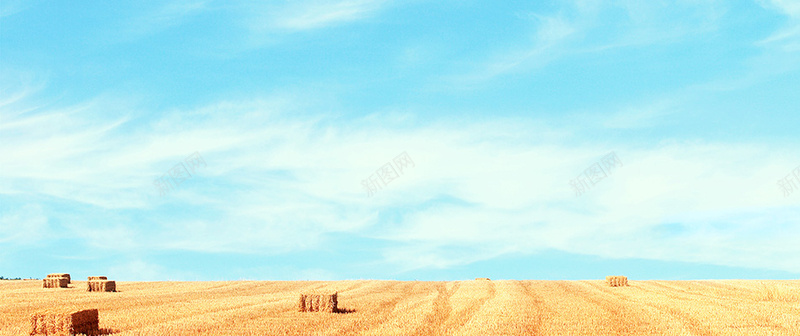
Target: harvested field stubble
x,y
497,307
65,323
101,286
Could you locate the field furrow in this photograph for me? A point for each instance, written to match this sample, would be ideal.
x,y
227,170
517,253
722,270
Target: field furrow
x,y
373,307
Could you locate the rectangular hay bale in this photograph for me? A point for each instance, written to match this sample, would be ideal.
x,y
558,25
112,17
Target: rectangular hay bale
x,y
65,323
101,286
318,302
617,280
60,275
55,282
97,278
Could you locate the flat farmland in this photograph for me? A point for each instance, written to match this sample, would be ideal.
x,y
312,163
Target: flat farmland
x,y
376,307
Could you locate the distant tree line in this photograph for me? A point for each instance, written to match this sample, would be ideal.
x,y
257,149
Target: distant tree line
x,y
4,278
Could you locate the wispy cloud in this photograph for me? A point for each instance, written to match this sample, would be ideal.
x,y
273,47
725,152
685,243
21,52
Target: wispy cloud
x,y
650,114
284,167
11,7
788,7
310,14
788,37
523,205
17,87
136,269
776,54
316,14
584,27
551,34
170,14
272,185
23,226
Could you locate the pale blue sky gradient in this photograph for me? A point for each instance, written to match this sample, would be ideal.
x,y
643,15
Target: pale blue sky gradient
x,y
292,104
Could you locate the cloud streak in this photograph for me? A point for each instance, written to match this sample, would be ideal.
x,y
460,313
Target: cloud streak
x,y
575,29
289,131
788,37
317,14
170,14
309,15
270,186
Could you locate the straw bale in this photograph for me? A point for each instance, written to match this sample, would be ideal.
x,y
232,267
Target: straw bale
x,y
617,280
101,286
318,302
60,275
55,282
97,278
63,322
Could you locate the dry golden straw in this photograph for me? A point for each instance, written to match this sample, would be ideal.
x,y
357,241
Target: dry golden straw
x,y
60,275
65,323
318,302
101,286
481,278
617,280
55,282
97,278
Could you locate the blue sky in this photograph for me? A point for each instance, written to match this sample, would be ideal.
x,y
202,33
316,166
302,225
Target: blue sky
x,y
501,107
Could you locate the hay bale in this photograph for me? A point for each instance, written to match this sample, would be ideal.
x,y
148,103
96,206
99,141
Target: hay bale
x,y
101,286
97,278
318,302
617,280
481,278
60,275
55,282
65,322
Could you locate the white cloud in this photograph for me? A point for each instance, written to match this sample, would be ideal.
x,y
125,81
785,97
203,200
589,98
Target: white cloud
x,y
317,14
309,14
788,7
11,7
777,57
548,42
786,38
584,27
17,87
140,270
643,116
273,183
616,218
169,14
23,226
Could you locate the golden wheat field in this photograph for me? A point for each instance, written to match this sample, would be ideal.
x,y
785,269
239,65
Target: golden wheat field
x,y
373,307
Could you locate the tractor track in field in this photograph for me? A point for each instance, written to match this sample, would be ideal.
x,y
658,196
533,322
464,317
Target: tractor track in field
x,y
733,307
440,313
376,307
464,315
385,309
539,307
621,315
